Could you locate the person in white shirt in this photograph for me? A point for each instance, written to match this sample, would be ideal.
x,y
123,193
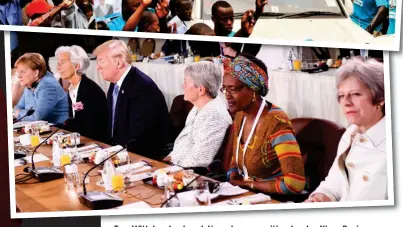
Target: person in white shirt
x,y
359,171
87,101
208,121
103,9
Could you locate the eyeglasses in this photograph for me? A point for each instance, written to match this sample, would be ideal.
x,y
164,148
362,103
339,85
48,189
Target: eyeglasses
x,y
231,90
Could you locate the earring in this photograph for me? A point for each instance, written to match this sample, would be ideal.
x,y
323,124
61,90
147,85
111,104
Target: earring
x,y
254,97
378,106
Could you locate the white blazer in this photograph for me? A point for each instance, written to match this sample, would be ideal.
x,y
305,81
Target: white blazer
x,y
366,175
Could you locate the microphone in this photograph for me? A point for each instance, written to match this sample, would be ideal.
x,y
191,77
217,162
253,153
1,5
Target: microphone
x,y
44,174
97,200
29,113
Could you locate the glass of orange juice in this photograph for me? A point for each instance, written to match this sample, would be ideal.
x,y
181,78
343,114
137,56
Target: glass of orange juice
x,y
297,65
35,139
65,159
197,58
118,183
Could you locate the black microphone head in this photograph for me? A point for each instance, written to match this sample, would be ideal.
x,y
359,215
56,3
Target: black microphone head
x,y
30,112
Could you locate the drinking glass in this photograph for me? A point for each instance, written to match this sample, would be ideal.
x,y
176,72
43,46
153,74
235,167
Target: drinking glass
x,y
202,194
173,200
118,183
35,138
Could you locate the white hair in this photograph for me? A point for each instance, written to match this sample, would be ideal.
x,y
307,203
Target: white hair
x,y
116,49
207,74
78,56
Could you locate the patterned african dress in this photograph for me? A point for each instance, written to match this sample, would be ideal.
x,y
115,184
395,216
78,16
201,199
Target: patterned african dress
x,y
273,154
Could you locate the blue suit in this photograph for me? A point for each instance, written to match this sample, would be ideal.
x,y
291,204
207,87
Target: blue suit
x,y
48,99
141,114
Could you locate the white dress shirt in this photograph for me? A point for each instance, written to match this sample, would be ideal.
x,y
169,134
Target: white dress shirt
x,y
200,140
73,92
122,78
366,175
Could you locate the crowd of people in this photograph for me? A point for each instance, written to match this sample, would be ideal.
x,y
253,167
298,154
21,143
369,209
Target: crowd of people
x,y
153,16
264,154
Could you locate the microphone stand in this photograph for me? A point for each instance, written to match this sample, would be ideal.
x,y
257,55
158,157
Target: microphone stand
x,y
29,113
97,200
176,192
44,174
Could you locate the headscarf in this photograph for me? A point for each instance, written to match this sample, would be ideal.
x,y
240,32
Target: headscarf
x,y
248,73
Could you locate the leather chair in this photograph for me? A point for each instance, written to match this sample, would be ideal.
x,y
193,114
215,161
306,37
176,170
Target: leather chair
x,y
318,140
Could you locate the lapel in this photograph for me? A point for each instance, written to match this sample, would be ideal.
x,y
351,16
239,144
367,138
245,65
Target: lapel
x,y
81,88
122,94
70,105
348,140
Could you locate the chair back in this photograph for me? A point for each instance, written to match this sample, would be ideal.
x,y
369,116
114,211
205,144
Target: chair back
x,y
318,140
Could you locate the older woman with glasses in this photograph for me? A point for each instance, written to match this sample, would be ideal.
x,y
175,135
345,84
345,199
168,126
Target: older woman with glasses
x,y
266,156
359,171
87,101
208,121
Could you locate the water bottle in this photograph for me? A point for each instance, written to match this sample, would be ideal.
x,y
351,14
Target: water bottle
x,y
56,154
107,174
68,177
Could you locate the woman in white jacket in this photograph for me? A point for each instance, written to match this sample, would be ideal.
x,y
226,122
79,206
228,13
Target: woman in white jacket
x,y
359,171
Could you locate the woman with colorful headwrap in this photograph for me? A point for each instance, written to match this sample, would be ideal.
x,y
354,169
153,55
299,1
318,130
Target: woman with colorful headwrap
x,y
271,162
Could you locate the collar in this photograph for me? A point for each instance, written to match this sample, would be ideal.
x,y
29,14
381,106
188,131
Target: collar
x,y
75,89
376,134
122,78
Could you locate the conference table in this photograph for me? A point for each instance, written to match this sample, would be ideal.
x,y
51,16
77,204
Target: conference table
x,y
56,196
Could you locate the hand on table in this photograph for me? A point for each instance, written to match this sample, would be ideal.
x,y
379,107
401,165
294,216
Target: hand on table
x,y
318,197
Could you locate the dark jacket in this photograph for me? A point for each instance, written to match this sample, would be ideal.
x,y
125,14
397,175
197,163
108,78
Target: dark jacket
x,y
92,121
141,116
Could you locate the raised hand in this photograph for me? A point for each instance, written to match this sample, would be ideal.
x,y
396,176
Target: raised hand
x,y
162,10
67,3
248,22
173,28
261,3
146,2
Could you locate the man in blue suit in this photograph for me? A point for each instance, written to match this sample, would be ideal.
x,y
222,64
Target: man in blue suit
x,y
138,113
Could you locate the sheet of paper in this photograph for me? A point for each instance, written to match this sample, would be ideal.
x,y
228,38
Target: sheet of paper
x,y
252,199
180,26
37,158
172,169
132,166
86,151
227,189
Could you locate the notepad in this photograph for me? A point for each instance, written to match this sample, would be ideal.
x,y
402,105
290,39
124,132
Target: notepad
x,y
26,160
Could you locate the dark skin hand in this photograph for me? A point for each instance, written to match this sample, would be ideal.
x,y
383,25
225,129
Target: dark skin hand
x,y
379,18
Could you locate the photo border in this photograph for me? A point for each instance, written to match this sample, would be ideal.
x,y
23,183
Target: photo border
x,y
139,211
395,46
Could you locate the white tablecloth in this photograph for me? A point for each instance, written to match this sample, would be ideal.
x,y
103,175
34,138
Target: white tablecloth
x,y
301,94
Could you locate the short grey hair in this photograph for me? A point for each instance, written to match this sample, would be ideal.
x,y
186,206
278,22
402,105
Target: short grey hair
x,y
78,56
116,49
369,72
206,74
